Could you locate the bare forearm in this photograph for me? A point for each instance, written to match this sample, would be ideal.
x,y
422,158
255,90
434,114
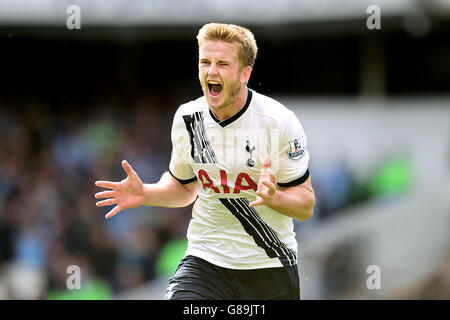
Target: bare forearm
x,y
295,204
168,192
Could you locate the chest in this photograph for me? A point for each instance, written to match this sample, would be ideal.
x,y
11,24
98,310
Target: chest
x,y
230,159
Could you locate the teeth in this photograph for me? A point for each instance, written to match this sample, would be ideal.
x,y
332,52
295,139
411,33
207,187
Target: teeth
x,y
213,82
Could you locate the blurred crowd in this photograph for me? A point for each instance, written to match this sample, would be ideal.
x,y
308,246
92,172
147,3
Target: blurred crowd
x,y
49,161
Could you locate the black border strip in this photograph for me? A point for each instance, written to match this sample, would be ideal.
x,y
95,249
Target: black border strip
x,y
181,180
226,309
296,182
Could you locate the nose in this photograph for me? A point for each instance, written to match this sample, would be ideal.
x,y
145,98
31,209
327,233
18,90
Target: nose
x,y
213,68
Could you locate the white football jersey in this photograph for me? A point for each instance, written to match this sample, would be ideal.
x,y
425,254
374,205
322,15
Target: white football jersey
x,y
226,159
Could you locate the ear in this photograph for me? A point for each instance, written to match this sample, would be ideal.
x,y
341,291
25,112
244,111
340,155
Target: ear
x,y
245,74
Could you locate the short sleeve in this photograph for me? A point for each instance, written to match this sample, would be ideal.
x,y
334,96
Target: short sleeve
x,y
180,162
293,157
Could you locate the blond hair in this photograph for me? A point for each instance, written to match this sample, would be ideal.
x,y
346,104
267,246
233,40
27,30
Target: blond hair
x,y
231,33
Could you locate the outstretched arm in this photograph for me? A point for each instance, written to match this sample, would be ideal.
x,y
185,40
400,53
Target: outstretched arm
x,y
131,192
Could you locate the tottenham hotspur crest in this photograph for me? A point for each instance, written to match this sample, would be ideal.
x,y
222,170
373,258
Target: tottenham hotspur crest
x,y
297,149
250,161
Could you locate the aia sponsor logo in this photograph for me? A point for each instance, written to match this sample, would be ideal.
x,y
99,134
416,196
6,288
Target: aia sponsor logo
x,y
243,182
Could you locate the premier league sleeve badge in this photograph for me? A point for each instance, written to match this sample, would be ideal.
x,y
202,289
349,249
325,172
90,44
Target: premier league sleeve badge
x,y
297,149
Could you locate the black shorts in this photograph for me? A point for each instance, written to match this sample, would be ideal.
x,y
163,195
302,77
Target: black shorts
x,y
197,279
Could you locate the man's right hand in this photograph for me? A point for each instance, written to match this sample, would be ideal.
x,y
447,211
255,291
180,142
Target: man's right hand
x,y
126,194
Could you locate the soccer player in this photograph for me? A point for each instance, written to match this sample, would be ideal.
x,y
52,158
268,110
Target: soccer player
x,y
242,157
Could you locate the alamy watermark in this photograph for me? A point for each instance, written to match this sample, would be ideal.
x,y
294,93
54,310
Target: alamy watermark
x,y
74,280
374,280
374,19
73,21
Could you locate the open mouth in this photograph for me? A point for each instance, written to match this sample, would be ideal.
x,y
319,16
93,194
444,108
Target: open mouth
x,y
215,88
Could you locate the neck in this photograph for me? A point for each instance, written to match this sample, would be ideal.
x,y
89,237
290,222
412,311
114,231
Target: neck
x,y
230,110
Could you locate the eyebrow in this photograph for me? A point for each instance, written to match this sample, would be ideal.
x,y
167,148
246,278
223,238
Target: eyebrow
x,y
219,61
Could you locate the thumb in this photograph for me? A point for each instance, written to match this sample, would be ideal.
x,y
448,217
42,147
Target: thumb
x,y
128,169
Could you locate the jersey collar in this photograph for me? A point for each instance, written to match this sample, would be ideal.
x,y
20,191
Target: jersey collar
x,y
236,116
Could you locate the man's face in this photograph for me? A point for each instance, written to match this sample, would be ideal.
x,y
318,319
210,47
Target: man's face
x,y
220,72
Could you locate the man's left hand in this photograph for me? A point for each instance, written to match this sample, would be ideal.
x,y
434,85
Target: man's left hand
x,y
266,185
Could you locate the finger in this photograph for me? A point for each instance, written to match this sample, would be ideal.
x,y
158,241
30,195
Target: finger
x,y
264,195
106,184
269,185
104,194
257,202
266,164
127,167
105,203
113,212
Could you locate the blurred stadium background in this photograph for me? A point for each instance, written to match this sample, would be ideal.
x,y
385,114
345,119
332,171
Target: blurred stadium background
x,y
375,105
